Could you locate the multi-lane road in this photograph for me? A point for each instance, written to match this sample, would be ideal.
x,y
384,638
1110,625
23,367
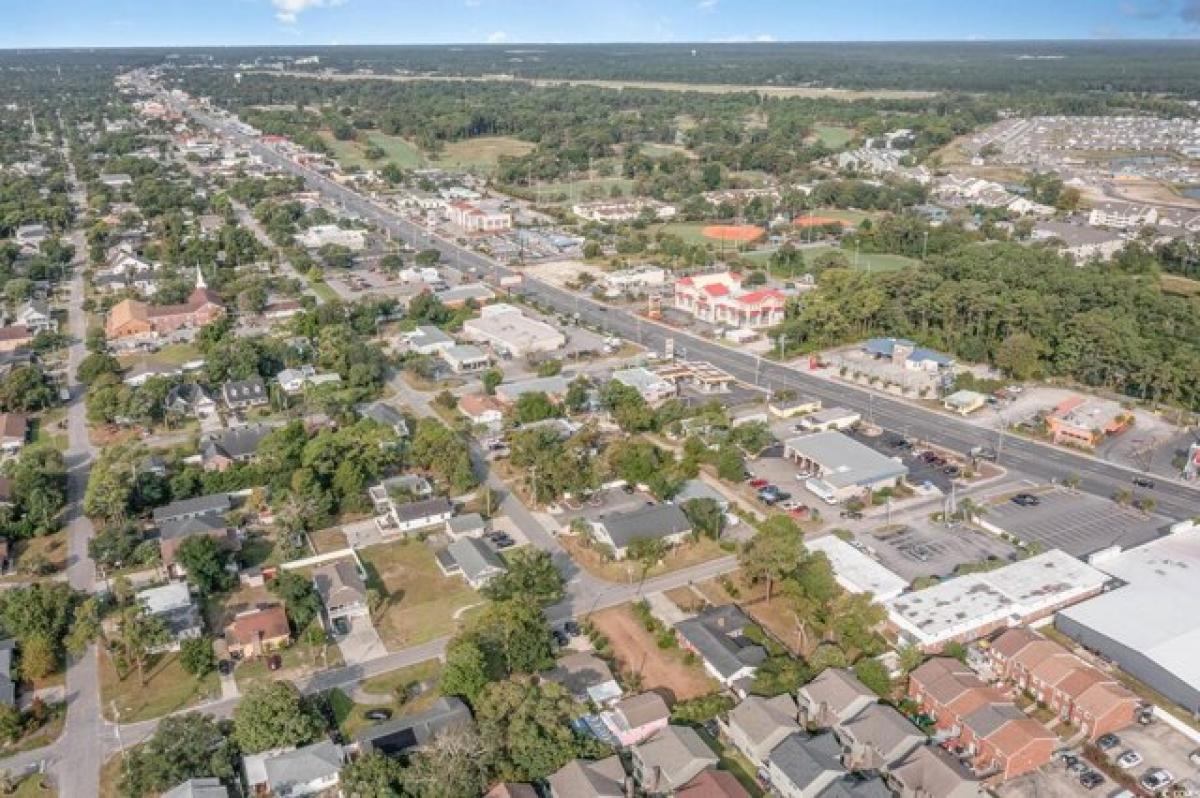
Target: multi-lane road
x,y
1030,458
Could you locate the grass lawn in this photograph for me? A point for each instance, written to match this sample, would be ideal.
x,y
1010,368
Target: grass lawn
x,y
833,136
669,670
684,555
867,261
396,684
419,601
34,786
573,190
327,540
168,688
299,661
43,736
1177,284
655,150
48,548
172,355
480,153
323,291
46,429
399,150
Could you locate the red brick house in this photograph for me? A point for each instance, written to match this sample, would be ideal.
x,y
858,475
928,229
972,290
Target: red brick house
x,y
1087,697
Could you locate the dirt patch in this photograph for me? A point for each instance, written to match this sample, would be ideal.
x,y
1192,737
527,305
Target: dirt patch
x,y
665,670
744,233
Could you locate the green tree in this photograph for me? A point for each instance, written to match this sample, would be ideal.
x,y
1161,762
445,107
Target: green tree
x,y
647,552
182,747
531,576
455,764
874,674
773,552
490,379
141,633
299,597
39,657
196,656
706,516
466,670
204,560
373,775
730,466
274,715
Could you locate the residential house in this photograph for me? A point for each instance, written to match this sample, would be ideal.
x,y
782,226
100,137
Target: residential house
x,y
713,784
244,394
858,785
833,697
589,778
512,789
472,559
716,636
14,430
999,738
214,504
29,237
15,337
35,316
482,411
294,772
720,299
587,677
877,737
385,415
671,758
207,787
555,388
342,590
635,718
664,522
831,418
403,734
653,388
172,534
294,381
406,486
428,340
402,518
190,399
255,632
758,724
1084,696
173,603
803,765
237,445
931,772
465,358
470,525
144,371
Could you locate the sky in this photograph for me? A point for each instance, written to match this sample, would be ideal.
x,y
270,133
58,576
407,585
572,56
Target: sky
x,y
167,23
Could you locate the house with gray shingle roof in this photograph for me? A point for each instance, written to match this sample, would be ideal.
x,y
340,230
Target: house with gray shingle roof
x,y
758,724
833,697
294,772
670,759
716,636
589,778
664,522
877,737
803,765
472,559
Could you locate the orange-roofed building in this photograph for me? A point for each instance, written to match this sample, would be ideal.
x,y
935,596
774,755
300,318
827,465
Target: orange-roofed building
x,y
720,299
132,318
258,631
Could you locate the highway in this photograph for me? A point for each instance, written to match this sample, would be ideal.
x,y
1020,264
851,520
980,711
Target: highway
x,y
1031,458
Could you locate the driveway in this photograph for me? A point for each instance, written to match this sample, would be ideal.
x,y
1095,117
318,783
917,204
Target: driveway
x,y
362,644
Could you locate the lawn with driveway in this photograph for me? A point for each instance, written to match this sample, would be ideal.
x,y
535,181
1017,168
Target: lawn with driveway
x,y
407,690
685,555
418,602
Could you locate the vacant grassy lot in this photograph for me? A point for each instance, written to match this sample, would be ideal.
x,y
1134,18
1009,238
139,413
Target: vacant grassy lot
x,y
1177,284
669,670
574,190
398,150
480,153
684,555
419,602
35,786
168,688
172,355
48,549
411,690
833,136
866,261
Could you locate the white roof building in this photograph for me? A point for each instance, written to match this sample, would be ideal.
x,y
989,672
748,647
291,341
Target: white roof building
x,y
855,571
968,607
319,235
507,330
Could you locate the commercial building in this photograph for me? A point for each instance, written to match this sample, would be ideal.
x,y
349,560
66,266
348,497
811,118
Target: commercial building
x,y
969,607
831,418
720,299
964,402
464,358
321,235
1085,421
842,467
855,571
633,281
479,217
131,318
907,354
653,388
1146,627
508,331
554,387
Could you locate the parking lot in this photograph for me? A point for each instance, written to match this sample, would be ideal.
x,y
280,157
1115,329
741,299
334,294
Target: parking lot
x,y
1160,746
1077,523
1052,781
924,548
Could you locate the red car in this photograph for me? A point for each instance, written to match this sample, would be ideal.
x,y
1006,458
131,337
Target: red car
x,y
799,512
758,484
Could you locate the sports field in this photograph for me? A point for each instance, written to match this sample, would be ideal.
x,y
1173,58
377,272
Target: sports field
x,y
833,136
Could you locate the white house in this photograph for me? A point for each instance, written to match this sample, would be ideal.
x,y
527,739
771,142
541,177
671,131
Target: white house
x,y
294,772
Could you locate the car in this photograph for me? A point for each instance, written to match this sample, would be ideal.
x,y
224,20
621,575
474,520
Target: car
x,y
1194,757
1106,742
1069,759
758,483
1078,767
1026,500
560,638
853,514
1091,780
571,628
380,713
799,512
224,667
1156,779
1129,759
1145,716
274,662
951,471
341,626
1143,482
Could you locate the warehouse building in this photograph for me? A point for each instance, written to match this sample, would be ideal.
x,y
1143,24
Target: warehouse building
x,y
842,467
1149,627
510,332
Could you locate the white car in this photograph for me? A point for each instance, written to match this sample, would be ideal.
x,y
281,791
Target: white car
x,y
1129,759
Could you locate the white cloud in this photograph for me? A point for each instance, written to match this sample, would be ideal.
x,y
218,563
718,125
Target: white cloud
x,y
497,37
288,11
762,38
707,5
